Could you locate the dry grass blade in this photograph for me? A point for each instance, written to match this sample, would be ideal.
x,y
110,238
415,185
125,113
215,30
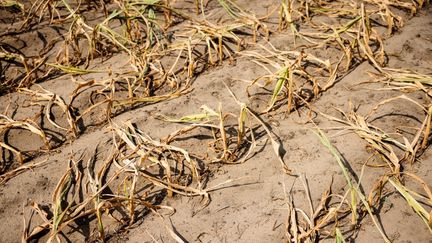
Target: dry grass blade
x,y
18,154
4,178
170,228
217,39
18,70
277,146
95,183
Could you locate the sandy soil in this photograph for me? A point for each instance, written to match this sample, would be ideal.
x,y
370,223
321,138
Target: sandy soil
x,y
249,200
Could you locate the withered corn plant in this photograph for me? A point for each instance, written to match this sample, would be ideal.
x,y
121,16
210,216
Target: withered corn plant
x,y
6,125
128,183
396,150
291,75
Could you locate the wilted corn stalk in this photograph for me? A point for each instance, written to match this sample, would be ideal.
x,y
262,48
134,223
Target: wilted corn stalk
x,y
291,75
95,182
249,19
71,202
354,186
229,147
245,113
102,39
50,99
421,138
216,39
5,177
64,209
365,36
78,29
384,144
413,202
286,19
37,11
6,124
26,69
411,6
143,155
404,80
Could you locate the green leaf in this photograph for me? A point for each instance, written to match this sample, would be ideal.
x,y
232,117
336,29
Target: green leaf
x,y
283,77
74,70
150,2
339,236
11,4
151,14
208,113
